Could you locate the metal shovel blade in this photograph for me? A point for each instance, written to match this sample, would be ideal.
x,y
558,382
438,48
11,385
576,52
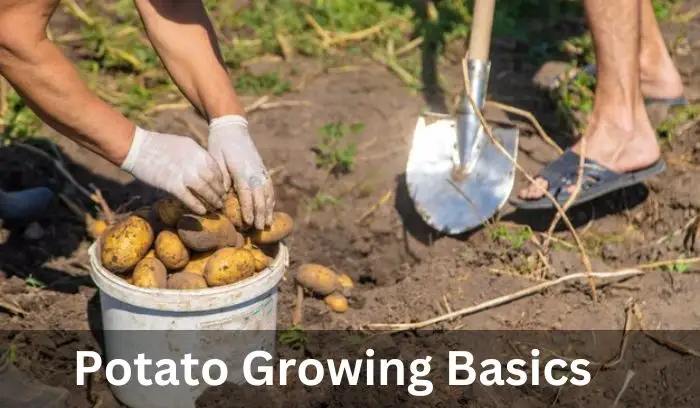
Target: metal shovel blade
x,y
451,205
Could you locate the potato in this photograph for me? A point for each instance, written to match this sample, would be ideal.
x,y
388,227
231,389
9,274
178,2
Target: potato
x,y
204,233
198,261
125,243
171,251
282,226
232,211
169,211
150,273
229,265
262,261
95,227
186,280
337,302
149,214
150,254
318,279
129,280
345,281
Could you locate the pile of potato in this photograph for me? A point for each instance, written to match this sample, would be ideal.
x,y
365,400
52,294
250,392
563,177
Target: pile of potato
x,y
168,248
324,282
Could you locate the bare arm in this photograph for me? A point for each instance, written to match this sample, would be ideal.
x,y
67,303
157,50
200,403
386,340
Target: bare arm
x,y
184,38
52,86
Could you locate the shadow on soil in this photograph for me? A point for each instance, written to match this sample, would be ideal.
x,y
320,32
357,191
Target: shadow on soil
x,y
539,221
62,232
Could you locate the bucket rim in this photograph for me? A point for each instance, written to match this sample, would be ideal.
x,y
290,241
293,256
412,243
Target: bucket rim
x,y
187,300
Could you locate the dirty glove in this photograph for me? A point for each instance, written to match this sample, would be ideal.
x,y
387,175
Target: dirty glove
x,y
233,149
178,165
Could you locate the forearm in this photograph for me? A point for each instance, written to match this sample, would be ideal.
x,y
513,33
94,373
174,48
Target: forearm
x,y
53,88
184,38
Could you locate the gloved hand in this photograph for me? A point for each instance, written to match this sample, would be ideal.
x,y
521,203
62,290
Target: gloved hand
x,y
178,165
233,149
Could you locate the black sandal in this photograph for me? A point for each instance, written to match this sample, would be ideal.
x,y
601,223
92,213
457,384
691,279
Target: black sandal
x,y
598,180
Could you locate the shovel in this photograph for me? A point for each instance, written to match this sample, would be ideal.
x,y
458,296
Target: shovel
x,y
456,176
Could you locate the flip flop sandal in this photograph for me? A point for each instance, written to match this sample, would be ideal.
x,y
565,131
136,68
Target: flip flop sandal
x,y
590,69
598,180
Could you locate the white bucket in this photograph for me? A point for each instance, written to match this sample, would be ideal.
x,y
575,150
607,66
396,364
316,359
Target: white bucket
x,y
225,323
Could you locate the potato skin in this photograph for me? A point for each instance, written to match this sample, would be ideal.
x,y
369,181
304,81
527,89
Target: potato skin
x,y
150,273
282,226
345,281
232,211
169,211
124,244
198,261
262,261
229,265
318,278
204,233
337,302
186,280
171,251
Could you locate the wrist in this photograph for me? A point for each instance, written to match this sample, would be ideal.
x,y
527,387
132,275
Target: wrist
x,y
228,120
131,157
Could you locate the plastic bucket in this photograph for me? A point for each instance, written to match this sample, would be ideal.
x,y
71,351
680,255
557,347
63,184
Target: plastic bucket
x,y
225,323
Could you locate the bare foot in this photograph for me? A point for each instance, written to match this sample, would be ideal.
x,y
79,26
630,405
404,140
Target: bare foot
x,y
618,148
660,77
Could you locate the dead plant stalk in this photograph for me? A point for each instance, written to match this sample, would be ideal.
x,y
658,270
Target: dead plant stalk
x,y
560,211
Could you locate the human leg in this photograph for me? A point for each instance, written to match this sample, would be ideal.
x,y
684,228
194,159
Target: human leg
x,y
619,136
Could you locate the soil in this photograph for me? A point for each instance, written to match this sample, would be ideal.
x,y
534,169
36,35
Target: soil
x,y
403,270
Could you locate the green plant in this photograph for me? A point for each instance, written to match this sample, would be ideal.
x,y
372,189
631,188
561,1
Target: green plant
x,y
333,152
20,122
515,236
294,337
266,83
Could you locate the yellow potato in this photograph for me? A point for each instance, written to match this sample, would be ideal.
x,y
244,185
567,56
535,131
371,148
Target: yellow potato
x,y
186,280
318,279
345,281
262,261
95,227
197,262
150,254
169,211
232,211
337,302
150,273
282,226
126,243
171,251
229,265
204,233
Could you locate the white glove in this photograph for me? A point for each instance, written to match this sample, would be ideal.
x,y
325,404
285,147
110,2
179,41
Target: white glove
x,y
178,165
233,149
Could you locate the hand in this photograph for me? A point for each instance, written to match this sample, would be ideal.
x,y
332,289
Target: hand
x,y
178,165
233,149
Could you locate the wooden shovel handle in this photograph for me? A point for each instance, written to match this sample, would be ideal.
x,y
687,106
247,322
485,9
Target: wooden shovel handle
x,y
482,24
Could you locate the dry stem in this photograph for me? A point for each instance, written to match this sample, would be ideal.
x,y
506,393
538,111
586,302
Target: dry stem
x,y
620,274
487,130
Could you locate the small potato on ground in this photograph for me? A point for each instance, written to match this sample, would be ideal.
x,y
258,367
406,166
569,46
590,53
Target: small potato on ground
x,y
204,233
229,265
126,243
150,273
345,281
186,280
282,226
318,279
337,302
171,251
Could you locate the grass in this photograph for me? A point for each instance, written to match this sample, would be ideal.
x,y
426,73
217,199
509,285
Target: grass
x,y
108,44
